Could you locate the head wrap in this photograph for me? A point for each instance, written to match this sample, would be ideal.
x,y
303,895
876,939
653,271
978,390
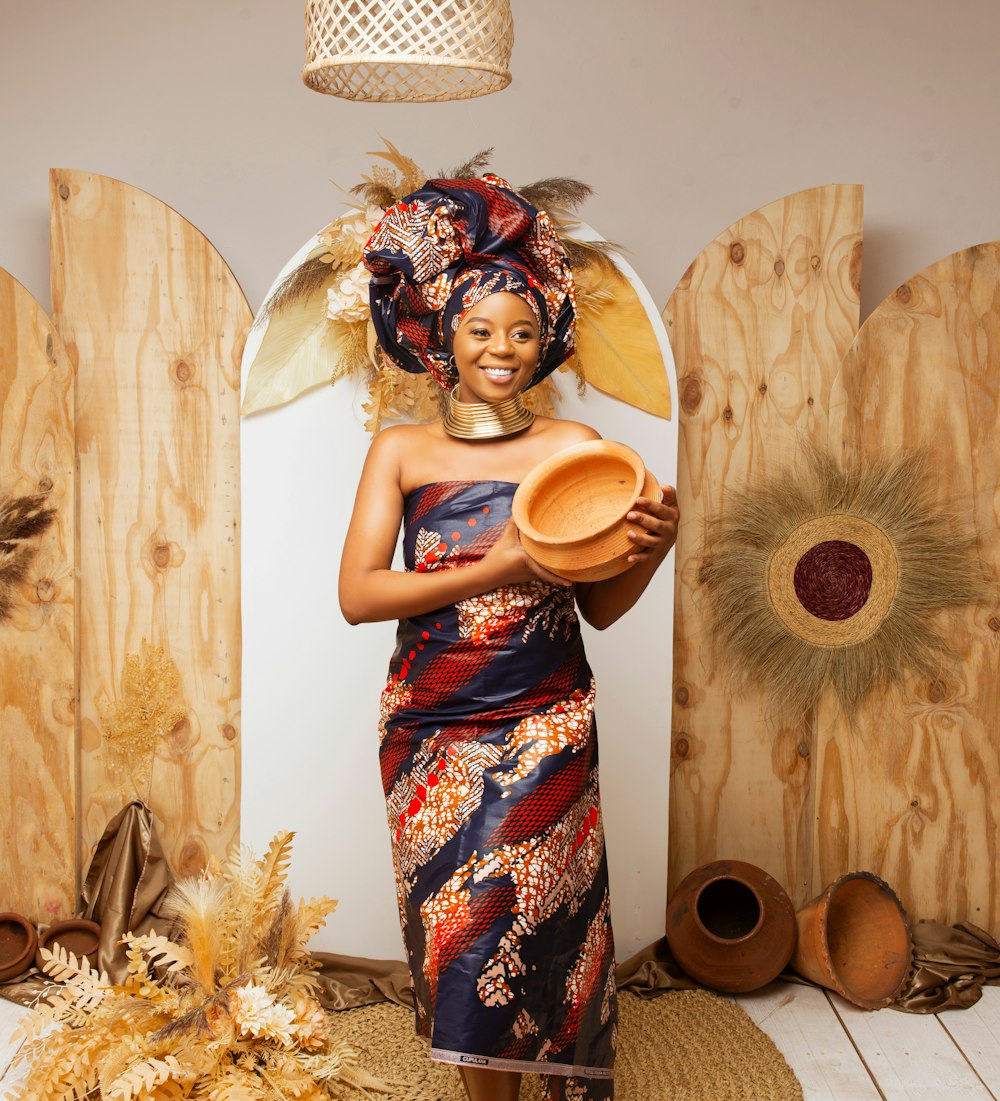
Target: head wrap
x,y
444,248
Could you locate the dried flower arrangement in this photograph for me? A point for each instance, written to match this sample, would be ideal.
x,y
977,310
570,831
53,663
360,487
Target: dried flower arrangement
x,y
317,326
225,1012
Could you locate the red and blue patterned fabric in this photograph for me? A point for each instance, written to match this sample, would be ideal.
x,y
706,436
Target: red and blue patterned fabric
x,y
488,751
444,248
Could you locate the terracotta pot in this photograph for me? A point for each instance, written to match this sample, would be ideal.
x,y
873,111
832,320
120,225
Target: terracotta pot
x,y
571,509
76,935
731,926
17,945
854,938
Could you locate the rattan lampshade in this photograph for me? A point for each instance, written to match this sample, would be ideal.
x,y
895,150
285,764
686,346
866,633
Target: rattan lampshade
x,y
386,51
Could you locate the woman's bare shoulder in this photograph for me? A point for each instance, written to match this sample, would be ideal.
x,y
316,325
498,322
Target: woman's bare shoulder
x,y
565,433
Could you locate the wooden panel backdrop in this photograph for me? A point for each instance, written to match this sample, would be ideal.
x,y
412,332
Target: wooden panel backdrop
x,y
915,786
155,324
758,324
38,854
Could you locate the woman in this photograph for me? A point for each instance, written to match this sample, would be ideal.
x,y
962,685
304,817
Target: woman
x,y
488,744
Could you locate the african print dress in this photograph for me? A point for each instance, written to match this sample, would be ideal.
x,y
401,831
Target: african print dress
x,y
489,765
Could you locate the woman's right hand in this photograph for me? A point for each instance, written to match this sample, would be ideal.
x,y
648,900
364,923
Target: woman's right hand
x,y
507,562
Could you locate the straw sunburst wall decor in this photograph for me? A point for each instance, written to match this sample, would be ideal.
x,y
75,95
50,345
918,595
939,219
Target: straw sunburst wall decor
x,y
833,577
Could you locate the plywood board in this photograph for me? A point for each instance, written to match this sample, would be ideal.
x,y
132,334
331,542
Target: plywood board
x,y
914,785
38,852
758,324
155,324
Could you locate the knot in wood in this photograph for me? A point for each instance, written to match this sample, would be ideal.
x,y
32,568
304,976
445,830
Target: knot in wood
x,y
682,747
44,484
229,732
855,268
763,388
63,191
814,262
737,252
162,555
802,749
183,371
810,401
904,294
727,414
691,394
779,267
994,623
46,589
937,691
682,695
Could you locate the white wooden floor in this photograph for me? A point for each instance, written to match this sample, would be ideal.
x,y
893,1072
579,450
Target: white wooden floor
x,y
839,1053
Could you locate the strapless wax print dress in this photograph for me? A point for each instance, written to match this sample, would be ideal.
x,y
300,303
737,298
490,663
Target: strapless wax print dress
x,y
488,752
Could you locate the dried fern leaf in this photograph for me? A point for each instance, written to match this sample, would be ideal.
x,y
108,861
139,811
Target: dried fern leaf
x,y
143,1077
273,867
162,952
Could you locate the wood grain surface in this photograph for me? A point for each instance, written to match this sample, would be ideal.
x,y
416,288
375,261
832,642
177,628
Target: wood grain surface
x,y
38,853
759,324
155,324
912,789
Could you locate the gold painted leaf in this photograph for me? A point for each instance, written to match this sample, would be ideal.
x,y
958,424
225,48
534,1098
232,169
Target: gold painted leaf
x,y
619,351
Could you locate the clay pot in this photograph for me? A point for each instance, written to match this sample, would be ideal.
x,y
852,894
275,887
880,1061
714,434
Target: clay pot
x,y
854,938
731,926
571,509
76,935
17,945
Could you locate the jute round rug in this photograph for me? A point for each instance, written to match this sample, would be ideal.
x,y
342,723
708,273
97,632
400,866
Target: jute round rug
x,y
685,1045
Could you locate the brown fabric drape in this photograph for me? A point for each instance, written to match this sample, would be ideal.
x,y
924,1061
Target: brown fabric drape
x,y
651,971
950,965
347,982
126,884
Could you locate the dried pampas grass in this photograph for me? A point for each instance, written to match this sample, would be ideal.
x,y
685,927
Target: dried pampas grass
x,y
762,559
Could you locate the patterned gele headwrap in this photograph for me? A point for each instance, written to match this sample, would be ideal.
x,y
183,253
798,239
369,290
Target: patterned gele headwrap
x,y
444,248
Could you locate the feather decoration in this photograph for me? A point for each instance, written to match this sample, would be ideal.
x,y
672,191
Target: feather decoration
x,y
22,521
305,281
557,193
471,169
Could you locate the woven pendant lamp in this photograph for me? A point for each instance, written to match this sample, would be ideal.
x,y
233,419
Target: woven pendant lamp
x,y
417,51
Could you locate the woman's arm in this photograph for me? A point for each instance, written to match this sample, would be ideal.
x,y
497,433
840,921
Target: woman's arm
x,y
602,603
370,591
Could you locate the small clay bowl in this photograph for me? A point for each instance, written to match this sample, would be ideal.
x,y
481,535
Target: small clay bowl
x,y
571,509
76,935
17,945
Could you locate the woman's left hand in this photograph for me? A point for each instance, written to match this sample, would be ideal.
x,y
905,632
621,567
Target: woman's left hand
x,y
654,527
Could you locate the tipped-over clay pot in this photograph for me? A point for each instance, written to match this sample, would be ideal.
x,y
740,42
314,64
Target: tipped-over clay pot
x,y
731,926
854,938
17,945
571,508
76,935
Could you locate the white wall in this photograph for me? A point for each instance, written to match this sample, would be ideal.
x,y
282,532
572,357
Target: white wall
x,y
683,118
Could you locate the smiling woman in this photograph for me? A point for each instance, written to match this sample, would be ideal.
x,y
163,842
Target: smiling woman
x,y
487,734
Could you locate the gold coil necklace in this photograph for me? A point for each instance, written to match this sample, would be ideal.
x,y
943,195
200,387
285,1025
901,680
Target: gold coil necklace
x,y
483,420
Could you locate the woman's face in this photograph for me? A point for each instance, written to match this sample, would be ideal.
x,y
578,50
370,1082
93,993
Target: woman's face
x,y
496,348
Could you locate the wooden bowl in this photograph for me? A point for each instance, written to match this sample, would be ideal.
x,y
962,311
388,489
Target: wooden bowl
x,y
17,945
571,509
76,935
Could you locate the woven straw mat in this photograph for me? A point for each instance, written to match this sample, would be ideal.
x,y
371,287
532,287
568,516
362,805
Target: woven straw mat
x,y
685,1045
